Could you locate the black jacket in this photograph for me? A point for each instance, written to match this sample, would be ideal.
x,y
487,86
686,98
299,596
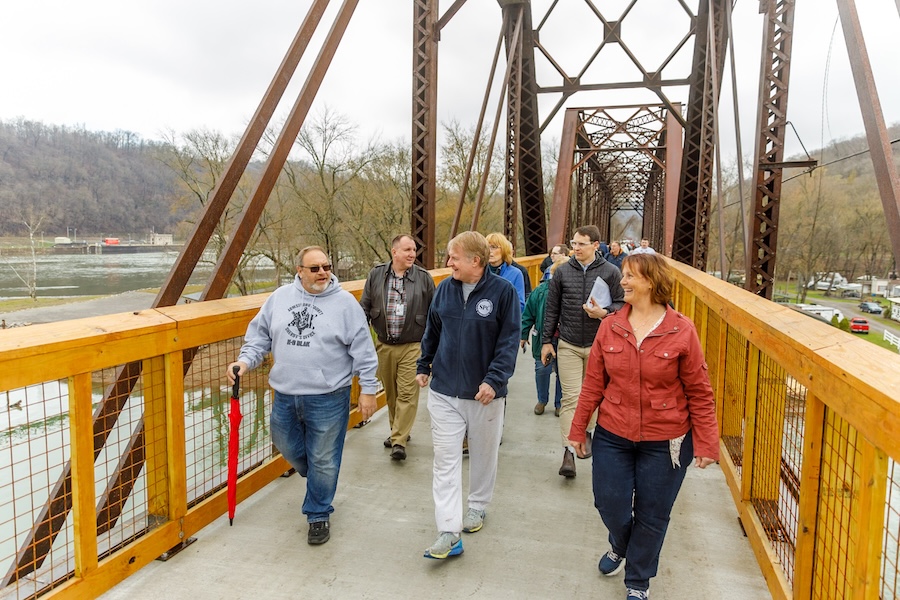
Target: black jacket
x,y
419,291
569,290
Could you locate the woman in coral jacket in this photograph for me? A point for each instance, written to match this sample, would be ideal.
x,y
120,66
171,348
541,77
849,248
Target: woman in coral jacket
x,y
647,374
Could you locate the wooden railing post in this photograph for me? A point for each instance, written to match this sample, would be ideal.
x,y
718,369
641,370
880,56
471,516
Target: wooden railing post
x,y
808,506
873,469
175,436
84,513
156,467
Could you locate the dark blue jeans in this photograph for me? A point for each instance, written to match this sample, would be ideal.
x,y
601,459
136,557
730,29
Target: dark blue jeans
x,y
542,374
635,486
309,432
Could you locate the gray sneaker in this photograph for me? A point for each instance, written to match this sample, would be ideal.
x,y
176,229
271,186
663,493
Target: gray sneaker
x,y
473,521
445,545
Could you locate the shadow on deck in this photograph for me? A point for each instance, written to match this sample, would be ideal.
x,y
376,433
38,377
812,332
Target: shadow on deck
x,y
542,536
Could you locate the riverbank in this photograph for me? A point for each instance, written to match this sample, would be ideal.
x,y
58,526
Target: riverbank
x,y
51,310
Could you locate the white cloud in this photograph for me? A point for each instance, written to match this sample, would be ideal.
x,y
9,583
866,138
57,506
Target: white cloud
x,y
146,66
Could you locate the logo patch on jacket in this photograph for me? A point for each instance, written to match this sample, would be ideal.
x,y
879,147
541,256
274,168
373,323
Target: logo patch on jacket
x,y
301,327
484,307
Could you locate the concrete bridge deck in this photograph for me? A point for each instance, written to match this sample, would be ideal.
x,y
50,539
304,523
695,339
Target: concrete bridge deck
x,y
542,536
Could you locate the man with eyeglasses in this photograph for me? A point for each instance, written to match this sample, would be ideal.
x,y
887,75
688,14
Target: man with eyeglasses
x,y
319,339
395,299
572,308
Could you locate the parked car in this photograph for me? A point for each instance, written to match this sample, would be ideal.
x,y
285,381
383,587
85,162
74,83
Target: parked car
x,y
859,325
870,307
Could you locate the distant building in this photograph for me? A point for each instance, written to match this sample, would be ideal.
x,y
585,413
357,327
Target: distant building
x,y
161,239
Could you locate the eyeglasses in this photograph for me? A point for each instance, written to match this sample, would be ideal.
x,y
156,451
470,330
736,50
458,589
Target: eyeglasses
x,y
575,244
315,269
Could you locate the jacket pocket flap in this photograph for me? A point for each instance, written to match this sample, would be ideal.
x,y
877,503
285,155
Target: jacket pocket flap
x,y
663,402
614,348
666,354
420,320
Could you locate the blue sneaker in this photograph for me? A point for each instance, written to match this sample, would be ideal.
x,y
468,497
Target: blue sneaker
x,y
633,594
445,545
611,563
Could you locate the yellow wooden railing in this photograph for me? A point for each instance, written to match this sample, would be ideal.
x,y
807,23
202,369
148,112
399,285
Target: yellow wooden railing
x,y
809,417
810,435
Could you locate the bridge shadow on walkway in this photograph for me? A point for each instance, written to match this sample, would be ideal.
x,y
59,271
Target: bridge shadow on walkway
x,y
542,536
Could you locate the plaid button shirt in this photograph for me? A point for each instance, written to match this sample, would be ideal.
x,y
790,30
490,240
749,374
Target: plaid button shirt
x,y
396,296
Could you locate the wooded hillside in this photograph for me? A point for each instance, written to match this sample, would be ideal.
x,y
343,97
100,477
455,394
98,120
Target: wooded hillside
x,y
98,182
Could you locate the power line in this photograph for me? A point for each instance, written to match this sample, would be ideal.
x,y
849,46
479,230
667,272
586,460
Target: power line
x,y
837,160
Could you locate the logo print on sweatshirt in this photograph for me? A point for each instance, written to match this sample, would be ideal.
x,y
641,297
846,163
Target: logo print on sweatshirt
x,y
302,327
484,307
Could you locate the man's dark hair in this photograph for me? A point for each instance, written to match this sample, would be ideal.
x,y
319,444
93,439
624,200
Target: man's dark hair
x,y
398,238
591,231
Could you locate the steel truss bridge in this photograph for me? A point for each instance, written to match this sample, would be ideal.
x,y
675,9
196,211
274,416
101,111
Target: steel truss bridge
x,y
656,160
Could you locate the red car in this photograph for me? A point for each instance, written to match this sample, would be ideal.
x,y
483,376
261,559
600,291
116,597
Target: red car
x,y
859,325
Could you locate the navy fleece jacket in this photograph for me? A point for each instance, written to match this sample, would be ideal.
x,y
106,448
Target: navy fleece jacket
x,y
473,341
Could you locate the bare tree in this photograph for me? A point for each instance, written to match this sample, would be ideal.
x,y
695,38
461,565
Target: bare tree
x,y
323,183
29,279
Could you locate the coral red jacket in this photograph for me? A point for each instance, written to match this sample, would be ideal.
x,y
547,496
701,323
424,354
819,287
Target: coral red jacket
x,y
657,392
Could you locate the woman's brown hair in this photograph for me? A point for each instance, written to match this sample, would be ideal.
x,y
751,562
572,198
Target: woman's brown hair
x,y
654,268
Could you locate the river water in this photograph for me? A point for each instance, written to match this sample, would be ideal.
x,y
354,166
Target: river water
x,y
73,275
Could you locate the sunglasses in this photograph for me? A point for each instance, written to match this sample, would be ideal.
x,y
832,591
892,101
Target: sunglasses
x,y
316,268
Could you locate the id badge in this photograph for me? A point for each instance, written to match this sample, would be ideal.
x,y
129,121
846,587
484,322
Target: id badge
x,y
400,310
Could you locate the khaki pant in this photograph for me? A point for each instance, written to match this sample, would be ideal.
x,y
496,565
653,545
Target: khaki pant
x,y
572,363
397,372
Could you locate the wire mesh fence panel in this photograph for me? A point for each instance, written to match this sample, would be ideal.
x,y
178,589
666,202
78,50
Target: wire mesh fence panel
x,y
890,553
207,398
711,348
837,512
735,396
777,459
120,475
34,453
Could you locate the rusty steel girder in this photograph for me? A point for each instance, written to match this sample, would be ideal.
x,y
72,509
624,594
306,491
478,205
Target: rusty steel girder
x,y
771,127
524,176
873,120
691,237
424,129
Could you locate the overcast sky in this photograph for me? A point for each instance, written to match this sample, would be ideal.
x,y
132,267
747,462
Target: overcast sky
x,y
151,65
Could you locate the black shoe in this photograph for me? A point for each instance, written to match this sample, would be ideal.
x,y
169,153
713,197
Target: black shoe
x,y
567,469
319,533
398,452
387,442
587,444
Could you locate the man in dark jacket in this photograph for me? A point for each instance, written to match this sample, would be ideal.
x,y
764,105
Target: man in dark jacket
x,y
572,307
469,349
395,299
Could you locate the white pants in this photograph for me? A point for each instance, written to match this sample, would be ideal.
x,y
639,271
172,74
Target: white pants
x,y
451,418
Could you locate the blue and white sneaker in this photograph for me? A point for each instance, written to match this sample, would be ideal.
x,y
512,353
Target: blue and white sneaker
x,y
611,563
447,544
633,594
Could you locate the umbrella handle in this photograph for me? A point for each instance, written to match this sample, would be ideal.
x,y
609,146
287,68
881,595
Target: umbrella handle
x,y
237,381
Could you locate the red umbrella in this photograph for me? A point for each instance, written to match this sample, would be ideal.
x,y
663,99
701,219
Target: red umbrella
x,y
234,417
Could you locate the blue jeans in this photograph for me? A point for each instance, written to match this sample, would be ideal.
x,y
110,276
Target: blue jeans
x,y
309,432
635,486
542,382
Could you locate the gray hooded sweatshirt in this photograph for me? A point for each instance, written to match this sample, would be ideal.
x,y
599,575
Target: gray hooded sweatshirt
x,y
318,341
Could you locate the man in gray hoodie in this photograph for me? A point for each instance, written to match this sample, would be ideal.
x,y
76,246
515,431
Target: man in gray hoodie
x,y
319,339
